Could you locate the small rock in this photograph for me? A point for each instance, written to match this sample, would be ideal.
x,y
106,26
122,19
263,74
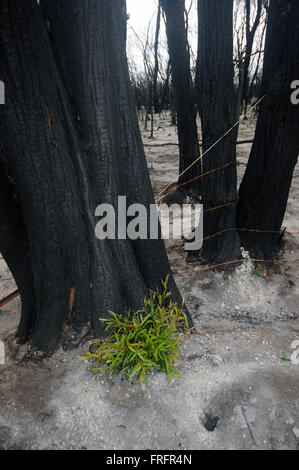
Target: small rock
x,y
216,359
290,421
296,432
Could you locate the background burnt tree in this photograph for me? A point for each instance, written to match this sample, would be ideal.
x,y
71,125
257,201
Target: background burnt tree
x,y
69,141
257,66
250,18
165,95
149,85
140,84
250,35
265,187
217,107
182,82
156,101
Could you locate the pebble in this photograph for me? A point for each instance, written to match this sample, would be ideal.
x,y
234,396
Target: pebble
x,y
290,421
216,359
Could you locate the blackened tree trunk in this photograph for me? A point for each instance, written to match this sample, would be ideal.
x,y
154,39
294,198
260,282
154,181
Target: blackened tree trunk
x,y
173,107
71,141
265,187
165,98
217,107
182,83
40,150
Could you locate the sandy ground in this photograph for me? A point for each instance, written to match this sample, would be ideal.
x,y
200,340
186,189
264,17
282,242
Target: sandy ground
x,y
235,393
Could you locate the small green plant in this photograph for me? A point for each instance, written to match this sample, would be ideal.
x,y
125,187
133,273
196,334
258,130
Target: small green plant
x,y
149,339
256,272
285,359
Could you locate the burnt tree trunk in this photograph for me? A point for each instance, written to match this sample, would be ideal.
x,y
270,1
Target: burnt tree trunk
x,y
217,107
264,191
71,138
182,83
166,90
40,149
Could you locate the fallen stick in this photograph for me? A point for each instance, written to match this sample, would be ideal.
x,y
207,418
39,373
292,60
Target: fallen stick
x,y
9,298
241,142
160,145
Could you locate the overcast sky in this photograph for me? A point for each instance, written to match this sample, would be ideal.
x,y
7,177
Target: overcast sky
x,y
141,12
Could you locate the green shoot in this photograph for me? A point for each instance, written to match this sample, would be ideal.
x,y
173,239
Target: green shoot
x,y
256,272
146,340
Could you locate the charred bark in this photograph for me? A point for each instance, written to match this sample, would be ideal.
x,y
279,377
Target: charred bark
x,y
182,83
217,107
264,191
41,151
72,142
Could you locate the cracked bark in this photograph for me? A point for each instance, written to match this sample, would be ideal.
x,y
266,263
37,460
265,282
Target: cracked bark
x,y
217,107
182,83
264,191
72,139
